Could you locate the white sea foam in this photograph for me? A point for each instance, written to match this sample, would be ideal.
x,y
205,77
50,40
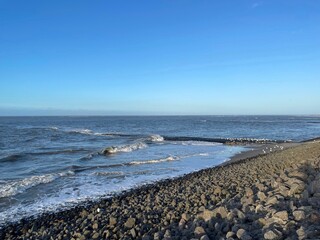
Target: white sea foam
x,y
124,148
108,173
82,131
196,155
171,158
199,143
15,187
156,138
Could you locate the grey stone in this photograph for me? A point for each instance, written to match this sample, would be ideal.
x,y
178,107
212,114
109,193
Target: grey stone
x,y
96,236
299,215
230,234
205,237
95,226
112,221
283,215
272,235
261,196
199,232
242,234
130,222
133,233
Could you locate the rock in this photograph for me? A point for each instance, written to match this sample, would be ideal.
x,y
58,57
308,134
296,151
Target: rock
x,y
206,215
112,221
296,188
185,216
301,233
261,196
314,187
96,236
182,223
272,235
272,201
217,212
203,199
249,192
230,216
90,217
314,201
133,233
299,215
205,237
220,212
217,191
156,236
230,234
314,217
247,201
240,214
130,222
242,234
217,227
84,214
259,208
261,222
199,232
167,234
283,215
95,226
300,175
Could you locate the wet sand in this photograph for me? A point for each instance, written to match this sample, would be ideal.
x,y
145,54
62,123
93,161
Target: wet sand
x,y
272,195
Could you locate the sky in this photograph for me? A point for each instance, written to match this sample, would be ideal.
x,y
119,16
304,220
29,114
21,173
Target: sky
x,y
165,57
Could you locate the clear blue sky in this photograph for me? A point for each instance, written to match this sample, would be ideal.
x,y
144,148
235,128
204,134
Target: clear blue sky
x,y
159,57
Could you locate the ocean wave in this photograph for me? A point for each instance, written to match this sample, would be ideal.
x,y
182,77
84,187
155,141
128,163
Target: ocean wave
x,y
170,158
11,188
108,173
156,138
124,148
11,158
62,151
78,168
82,131
21,156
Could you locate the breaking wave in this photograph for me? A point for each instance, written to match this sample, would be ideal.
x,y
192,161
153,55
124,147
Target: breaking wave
x,y
156,138
15,187
124,148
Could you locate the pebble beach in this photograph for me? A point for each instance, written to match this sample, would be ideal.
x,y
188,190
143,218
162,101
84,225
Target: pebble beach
x,y
270,196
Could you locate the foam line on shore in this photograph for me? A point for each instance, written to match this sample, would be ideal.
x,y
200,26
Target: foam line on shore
x,y
226,140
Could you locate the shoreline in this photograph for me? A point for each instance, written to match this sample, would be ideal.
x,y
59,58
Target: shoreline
x,y
139,206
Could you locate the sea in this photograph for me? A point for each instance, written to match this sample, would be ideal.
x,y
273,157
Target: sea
x,y
52,163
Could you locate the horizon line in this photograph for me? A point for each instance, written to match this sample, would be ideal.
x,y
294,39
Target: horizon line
x,y
160,115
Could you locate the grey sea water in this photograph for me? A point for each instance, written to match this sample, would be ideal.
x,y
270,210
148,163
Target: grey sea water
x,y
51,163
